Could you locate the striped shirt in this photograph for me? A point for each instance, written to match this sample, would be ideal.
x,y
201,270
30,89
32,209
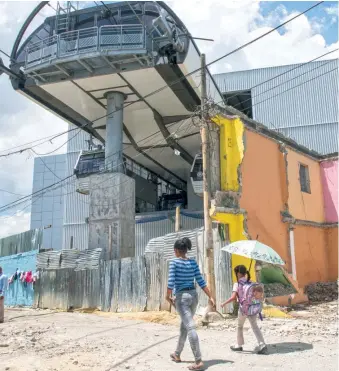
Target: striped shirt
x,y
182,273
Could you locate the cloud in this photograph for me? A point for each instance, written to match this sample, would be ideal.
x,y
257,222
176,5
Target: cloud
x,y
332,10
230,23
14,224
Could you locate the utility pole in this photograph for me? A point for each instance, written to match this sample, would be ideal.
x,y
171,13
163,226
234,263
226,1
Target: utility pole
x,y
204,131
177,219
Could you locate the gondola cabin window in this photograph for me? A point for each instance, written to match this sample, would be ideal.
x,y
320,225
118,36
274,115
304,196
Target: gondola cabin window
x,y
304,178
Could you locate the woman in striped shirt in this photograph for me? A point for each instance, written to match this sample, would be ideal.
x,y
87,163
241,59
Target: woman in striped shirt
x,y
183,272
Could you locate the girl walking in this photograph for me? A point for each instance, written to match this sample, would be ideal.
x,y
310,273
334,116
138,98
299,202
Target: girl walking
x,y
243,278
183,273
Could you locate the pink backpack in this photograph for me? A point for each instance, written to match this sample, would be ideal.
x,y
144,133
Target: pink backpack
x,y
249,306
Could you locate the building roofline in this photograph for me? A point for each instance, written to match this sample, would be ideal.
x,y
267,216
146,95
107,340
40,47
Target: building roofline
x,y
271,67
276,136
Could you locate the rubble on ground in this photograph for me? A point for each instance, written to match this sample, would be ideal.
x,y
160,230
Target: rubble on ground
x,y
278,289
322,291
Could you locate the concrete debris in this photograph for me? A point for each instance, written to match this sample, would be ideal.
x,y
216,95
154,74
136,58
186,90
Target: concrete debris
x,y
319,292
108,341
278,289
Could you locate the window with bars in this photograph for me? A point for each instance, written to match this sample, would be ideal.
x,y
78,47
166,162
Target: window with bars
x,y
304,178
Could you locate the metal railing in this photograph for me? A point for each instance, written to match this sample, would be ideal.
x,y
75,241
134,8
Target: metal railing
x,y
87,40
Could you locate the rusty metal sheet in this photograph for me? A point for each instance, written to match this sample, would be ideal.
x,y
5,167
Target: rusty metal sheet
x,y
139,284
22,242
223,273
106,285
153,281
125,286
115,278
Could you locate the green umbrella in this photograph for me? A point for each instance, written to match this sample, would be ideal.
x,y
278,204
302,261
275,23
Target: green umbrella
x,y
255,250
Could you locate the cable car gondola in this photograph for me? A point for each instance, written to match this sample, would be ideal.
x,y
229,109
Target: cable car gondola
x,y
197,175
88,163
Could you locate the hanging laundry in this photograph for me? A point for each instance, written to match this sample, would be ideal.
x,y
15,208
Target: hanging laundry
x,y
16,274
23,276
29,277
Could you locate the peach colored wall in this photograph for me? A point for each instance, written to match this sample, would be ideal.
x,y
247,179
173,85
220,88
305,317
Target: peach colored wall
x,y
311,254
302,205
264,192
332,247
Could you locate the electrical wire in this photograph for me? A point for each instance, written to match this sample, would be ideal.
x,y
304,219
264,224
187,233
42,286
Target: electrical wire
x,y
24,199
49,139
283,83
198,69
286,72
11,193
296,86
192,72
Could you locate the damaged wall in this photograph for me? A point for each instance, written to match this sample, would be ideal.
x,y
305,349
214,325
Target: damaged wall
x,y
264,171
311,255
231,157
264,192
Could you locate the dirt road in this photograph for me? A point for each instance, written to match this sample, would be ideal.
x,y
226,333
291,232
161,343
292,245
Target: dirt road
x,y
45,340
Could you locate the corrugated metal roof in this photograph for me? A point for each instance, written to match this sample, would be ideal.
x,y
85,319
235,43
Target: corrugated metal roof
x,y
324,136
78,260
306,97
22,242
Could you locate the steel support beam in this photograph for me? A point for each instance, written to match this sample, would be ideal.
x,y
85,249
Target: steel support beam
x,y
170,140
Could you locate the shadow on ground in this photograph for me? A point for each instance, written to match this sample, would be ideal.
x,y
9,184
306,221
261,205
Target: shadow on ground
x,y
212,362
284,348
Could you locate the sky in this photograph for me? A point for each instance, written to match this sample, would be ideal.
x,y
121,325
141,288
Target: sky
x,y
230,23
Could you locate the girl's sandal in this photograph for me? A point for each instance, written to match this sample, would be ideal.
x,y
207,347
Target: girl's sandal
x,y
196,367
175,358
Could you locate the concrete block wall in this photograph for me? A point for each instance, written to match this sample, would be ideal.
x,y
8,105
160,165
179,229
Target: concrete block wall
x,y
18,294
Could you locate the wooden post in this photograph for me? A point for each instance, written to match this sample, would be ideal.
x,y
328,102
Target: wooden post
x,y
177,219
204,131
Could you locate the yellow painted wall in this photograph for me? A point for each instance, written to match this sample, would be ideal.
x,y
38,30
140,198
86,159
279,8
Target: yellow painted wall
x,y
236,233
231,151
231,156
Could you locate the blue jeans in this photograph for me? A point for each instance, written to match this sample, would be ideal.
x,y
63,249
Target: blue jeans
x,y
186,303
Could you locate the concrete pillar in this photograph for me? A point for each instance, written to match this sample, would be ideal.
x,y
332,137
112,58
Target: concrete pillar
x,y
114,131
112,215
112,194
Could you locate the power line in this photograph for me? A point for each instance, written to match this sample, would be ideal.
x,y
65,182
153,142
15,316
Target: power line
x,y
192,72
286,72
198,69
293,87
24,199
11,193
284,82
49,139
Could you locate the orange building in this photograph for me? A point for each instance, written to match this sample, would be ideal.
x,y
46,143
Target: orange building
x,y
283,198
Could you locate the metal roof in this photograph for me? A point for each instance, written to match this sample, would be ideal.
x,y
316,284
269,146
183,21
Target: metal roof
x,y
299,101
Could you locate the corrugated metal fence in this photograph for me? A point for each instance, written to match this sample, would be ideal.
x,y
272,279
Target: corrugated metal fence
x,y
161,223
130,284
20,243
